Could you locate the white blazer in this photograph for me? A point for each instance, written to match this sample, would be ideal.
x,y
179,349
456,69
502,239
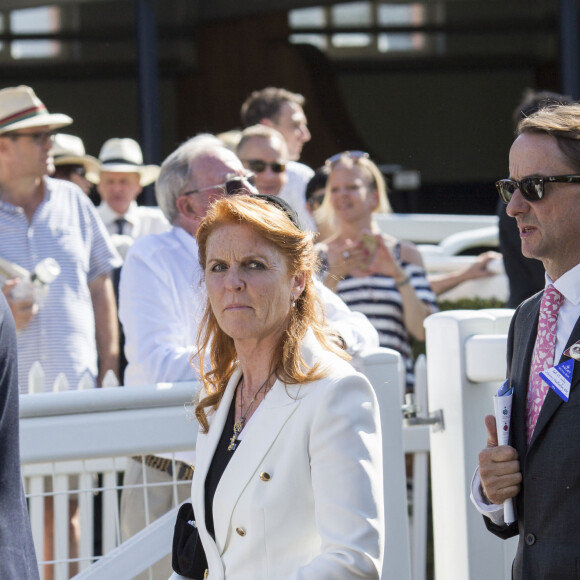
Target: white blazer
x,y
302,497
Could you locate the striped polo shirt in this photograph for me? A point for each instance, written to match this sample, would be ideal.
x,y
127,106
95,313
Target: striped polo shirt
x,y
66,227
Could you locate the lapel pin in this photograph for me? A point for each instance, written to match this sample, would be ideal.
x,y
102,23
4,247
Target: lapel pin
x,y
573,351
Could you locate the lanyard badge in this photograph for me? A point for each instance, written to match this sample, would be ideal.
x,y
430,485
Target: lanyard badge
x,y
559,378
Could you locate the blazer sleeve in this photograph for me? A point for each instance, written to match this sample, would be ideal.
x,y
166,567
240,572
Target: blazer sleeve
x,y
505,532
345,451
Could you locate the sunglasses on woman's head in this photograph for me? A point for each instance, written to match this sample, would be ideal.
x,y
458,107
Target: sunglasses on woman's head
x,y
531,188
232,185
348,154
258,166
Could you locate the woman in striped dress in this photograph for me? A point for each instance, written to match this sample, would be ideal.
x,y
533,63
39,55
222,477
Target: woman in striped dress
x,y
374,273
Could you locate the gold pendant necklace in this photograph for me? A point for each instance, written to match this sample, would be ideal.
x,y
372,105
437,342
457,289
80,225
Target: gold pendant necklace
x,y
239,425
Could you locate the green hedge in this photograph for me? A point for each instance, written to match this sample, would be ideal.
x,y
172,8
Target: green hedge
x,y
471,304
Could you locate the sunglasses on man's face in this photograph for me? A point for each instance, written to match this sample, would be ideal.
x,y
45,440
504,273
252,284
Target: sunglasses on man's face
x,y
232,185
348,154
259,166
531,188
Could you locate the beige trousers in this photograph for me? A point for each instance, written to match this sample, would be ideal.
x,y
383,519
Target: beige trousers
x,y
160,501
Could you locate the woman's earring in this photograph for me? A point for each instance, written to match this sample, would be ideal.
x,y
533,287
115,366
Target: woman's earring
x,y
293,301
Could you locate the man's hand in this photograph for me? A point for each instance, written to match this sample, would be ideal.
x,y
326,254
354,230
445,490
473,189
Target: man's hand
x,y
23,310
499,467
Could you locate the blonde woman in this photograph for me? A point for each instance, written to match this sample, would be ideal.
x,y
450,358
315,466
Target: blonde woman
x,y
374,273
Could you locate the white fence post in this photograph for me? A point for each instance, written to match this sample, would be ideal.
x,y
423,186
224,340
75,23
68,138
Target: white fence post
x,y
384,370
60,383
420,502
464,549
35,379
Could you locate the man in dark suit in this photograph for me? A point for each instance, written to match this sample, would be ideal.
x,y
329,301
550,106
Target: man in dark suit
x,y
540,468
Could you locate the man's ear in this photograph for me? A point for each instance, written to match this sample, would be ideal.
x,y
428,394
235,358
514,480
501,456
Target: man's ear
x,y
267,122
184,207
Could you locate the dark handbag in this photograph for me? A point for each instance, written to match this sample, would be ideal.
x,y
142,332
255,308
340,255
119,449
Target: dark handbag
x,y
188,556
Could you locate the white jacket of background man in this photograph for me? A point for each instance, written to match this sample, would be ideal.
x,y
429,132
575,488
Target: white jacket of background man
x,y
302,497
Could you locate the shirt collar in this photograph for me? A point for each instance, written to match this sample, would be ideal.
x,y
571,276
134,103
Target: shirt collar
x,y
186,240
568,285
109,215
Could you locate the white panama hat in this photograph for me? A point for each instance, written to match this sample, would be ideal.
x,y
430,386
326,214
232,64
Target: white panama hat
x,y
70,150
124,156
20,108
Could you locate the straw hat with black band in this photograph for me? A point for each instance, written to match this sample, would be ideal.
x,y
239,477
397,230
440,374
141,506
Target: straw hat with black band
x,y
124,156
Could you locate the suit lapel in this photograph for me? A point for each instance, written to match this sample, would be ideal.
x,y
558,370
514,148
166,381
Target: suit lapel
x,y
205,452
275,410
553,401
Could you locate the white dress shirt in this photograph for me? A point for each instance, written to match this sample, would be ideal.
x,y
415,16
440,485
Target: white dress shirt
x,y
294,192
140,220
569,286
160,306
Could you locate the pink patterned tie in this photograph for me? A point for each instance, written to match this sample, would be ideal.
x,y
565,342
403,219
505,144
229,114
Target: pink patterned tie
x,y
543,357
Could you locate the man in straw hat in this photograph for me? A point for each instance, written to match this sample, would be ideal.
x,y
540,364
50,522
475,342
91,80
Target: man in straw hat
x,y
41,218
120,179
71,162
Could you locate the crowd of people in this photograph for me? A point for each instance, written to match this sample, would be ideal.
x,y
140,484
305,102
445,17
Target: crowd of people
x,y
256,275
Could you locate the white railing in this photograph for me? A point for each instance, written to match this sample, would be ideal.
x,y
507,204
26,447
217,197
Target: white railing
x,y
466,361
93,431
441,238
423,228
36,381
89,432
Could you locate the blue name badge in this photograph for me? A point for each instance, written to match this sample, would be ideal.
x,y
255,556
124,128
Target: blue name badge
x,y
559,378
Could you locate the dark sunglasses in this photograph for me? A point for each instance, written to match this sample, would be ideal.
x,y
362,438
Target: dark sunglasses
x,y
258,166
348,154
316,201
232,185
531,188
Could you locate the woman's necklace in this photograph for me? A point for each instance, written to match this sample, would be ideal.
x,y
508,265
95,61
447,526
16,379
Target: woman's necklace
x,y
239,425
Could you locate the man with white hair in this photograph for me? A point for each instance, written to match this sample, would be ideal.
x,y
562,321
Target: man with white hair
x,y
162,300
